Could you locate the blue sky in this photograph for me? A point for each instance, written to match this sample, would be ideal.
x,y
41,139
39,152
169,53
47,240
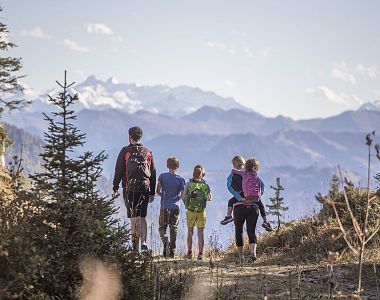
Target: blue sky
x,y
300,59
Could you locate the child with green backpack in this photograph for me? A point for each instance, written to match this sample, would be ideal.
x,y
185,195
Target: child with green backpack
x,y
197,193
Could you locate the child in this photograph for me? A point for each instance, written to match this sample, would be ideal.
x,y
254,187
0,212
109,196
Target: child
x,y
234,185
197,193
170,188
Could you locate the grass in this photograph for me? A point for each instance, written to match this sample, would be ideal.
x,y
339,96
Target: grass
x,y
307,260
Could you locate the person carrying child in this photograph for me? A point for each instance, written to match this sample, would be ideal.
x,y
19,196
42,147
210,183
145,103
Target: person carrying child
x,y
197,193
234,185
247,209
170,188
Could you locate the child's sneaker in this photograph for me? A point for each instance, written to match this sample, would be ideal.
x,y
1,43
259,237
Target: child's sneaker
x,y
227,220
200,256
189,255
267,226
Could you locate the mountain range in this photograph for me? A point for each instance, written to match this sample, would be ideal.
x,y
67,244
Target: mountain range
x,y
202,127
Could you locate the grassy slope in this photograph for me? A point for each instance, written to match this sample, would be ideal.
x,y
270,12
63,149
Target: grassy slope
x,y
297,264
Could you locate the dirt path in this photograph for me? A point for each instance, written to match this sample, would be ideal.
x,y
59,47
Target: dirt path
x,y
261,280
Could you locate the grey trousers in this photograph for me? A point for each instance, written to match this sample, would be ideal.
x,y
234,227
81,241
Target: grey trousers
x,y
168,217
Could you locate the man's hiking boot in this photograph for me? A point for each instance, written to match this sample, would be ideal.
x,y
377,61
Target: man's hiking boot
x,y
165,252
267,226
251,258
227,220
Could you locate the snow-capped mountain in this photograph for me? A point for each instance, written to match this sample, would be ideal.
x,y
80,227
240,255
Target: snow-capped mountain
x,y
96,94
375,105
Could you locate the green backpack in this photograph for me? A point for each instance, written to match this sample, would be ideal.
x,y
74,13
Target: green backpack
x,y
198,193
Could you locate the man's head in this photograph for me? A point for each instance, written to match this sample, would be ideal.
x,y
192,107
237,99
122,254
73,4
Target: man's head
x,y
135,135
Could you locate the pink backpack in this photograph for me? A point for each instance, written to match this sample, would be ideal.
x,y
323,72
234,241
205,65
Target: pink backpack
x,y
251,185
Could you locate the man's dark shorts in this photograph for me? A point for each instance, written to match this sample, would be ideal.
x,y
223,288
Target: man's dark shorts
x,y
136,203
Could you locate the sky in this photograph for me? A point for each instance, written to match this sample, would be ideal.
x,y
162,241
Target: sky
x,y
301,59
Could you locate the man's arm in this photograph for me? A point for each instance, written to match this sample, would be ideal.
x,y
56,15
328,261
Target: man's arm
x,y
159,189
231,189
119,169
153,176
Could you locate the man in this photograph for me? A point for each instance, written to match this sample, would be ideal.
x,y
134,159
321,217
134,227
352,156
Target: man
x,y
135,168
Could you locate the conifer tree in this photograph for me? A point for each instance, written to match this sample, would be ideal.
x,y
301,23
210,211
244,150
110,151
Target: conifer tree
x,y
9,77
334,187
9,85
277,207
68,221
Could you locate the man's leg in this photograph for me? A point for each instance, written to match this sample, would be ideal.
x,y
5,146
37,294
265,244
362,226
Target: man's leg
x,y
130,204
143,201
135,228
143,230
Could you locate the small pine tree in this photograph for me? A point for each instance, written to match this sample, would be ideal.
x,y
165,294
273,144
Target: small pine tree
x,y
334,187
327,211
68,221
277,207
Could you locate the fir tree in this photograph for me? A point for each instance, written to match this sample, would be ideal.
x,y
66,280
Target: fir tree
x,y
9,78
69,220
9,84
334,187
277,207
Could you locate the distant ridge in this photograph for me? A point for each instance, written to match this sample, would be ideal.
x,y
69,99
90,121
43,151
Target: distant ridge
x,y
96,94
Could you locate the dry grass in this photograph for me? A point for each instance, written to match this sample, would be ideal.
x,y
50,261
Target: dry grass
x,y
307,260
226,280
